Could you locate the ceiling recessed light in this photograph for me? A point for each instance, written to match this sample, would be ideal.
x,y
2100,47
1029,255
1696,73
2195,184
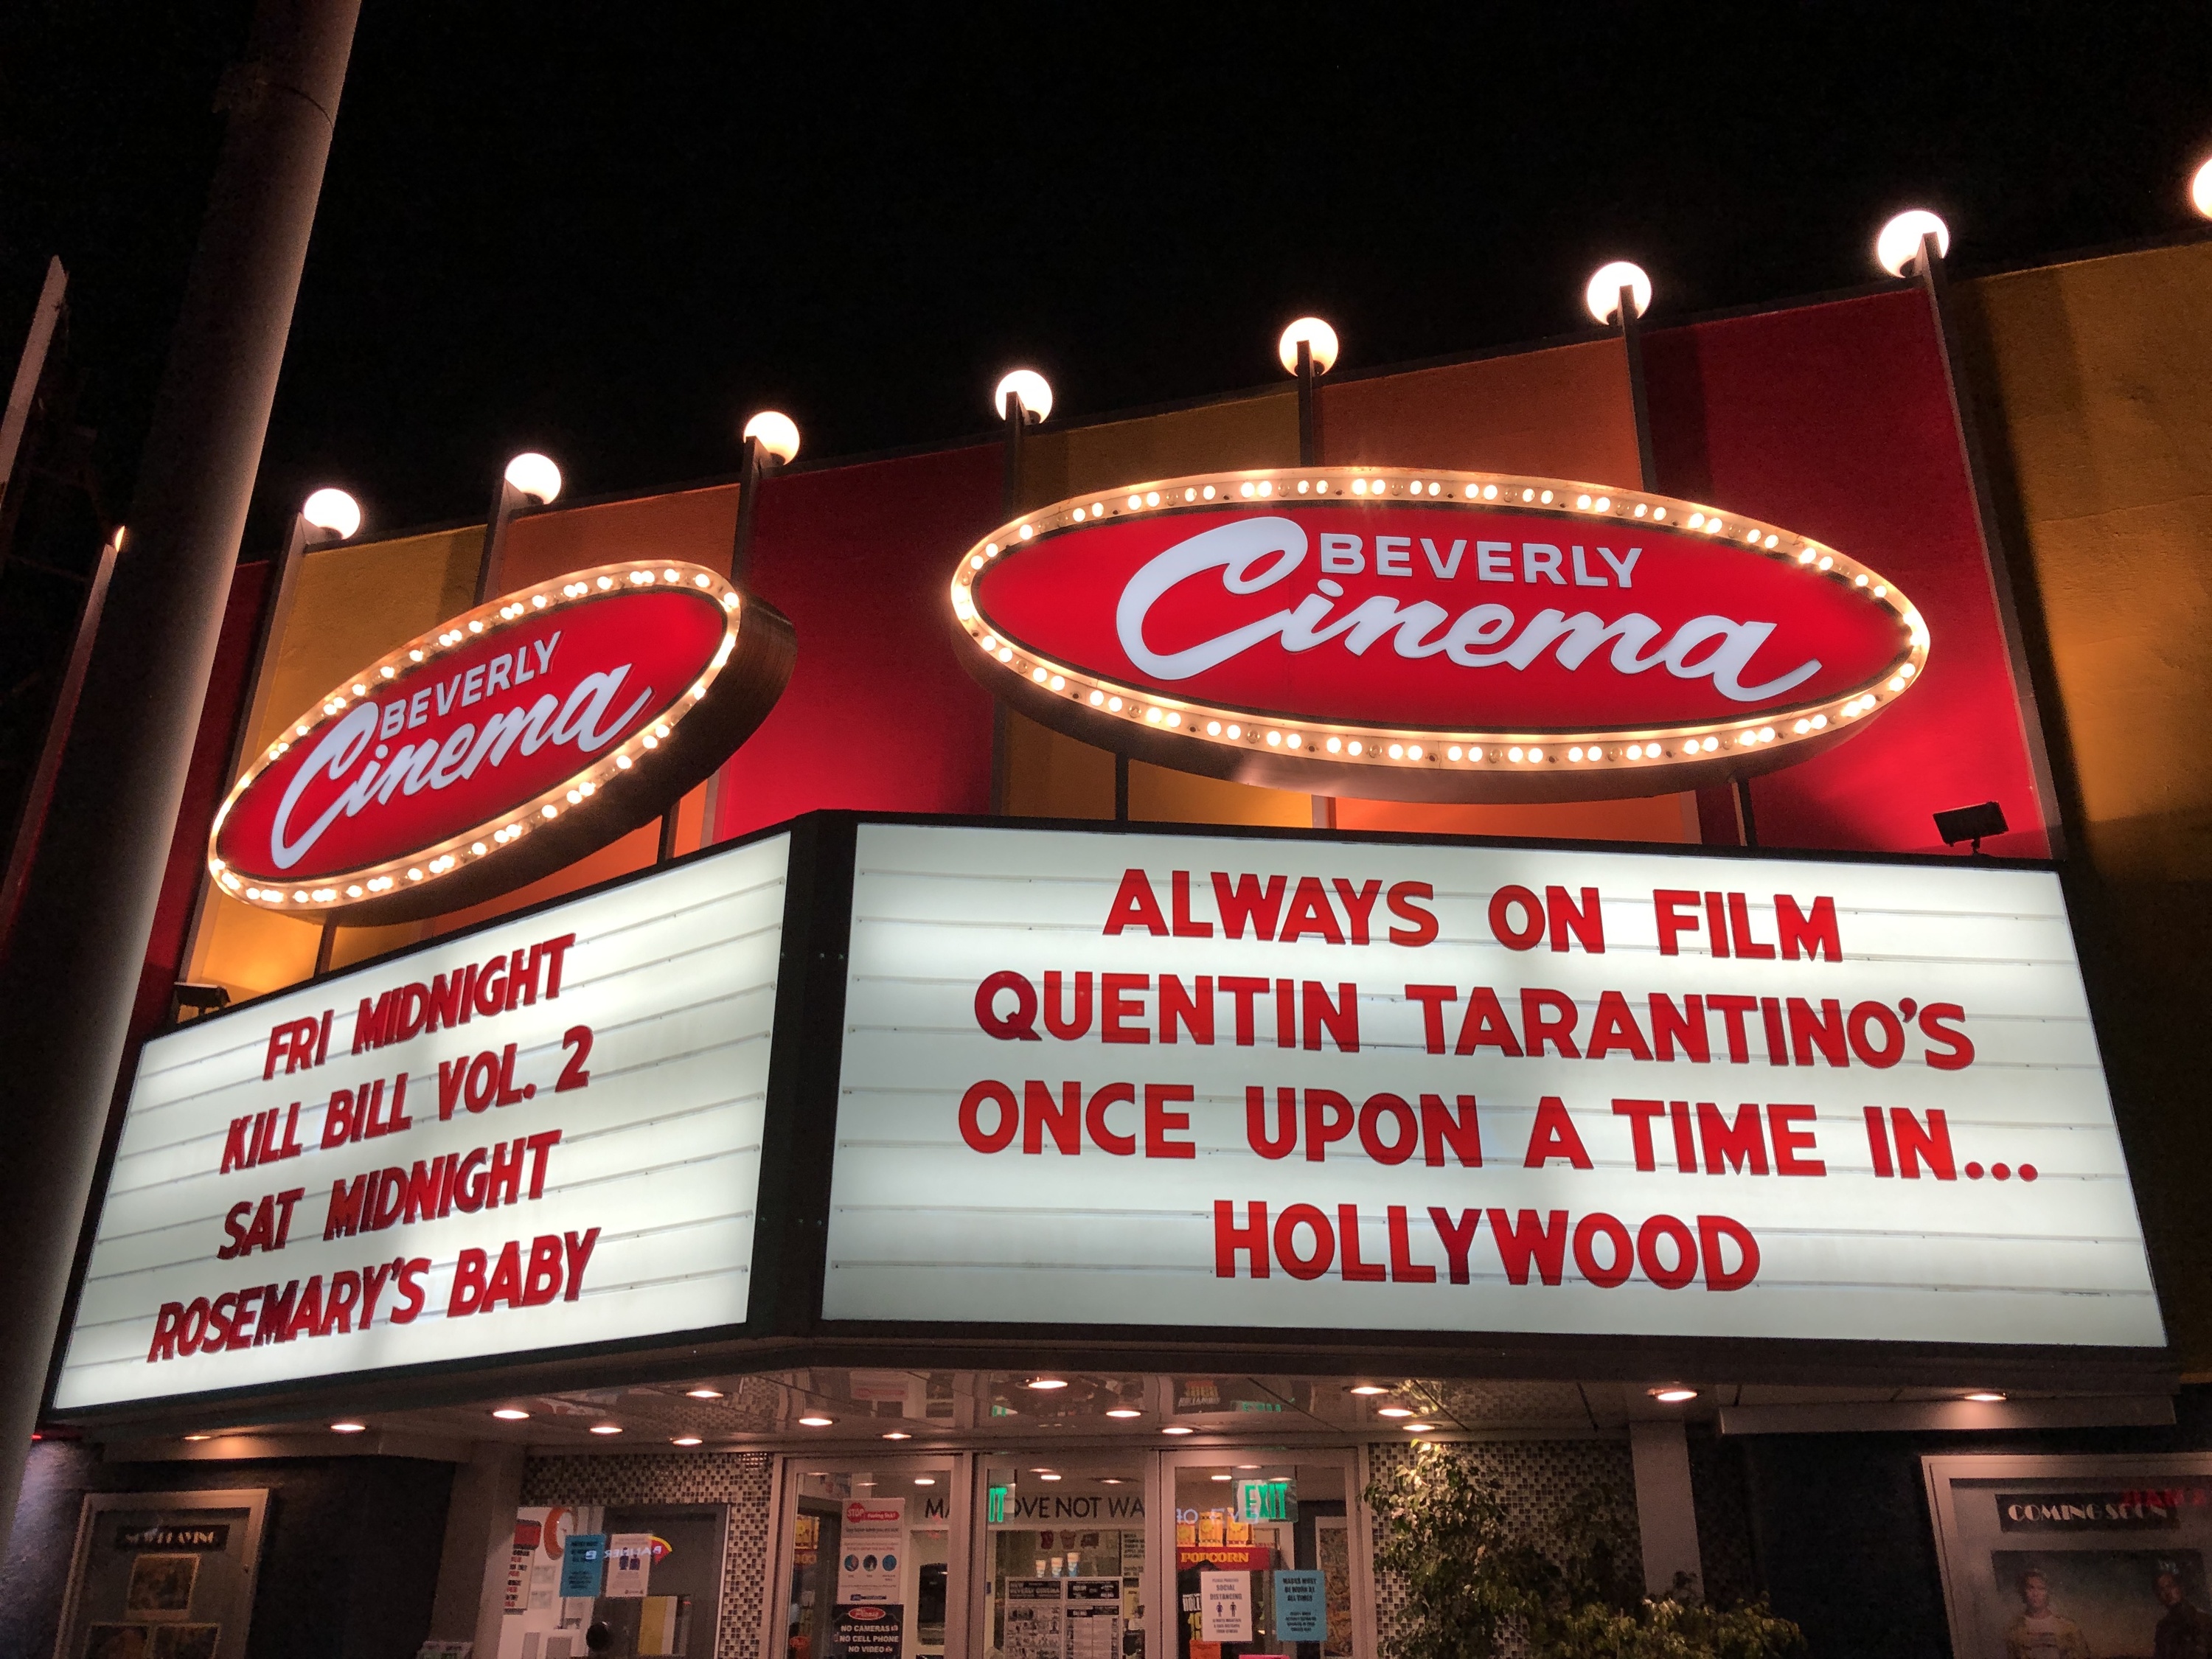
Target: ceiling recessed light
x,y
1123,1411
348,1428
1392,1411
1046,1382
1985,1396
1673,1394
896,1434
1047,1477
703,1394
685,1440
1175,1428
199,1437
1368,1387
925,1481
511,1414
1110,1480
816,1420
1248,1465
1221,1477
606,1428
1419,1428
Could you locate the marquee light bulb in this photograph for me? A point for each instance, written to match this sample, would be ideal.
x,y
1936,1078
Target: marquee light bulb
x,y
332,510
776,432
1314,333
1031,387
1898,243
535,476
2200,190
1602,296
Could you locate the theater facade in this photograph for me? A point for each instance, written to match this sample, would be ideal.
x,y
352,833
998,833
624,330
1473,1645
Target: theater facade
x,y
959,1054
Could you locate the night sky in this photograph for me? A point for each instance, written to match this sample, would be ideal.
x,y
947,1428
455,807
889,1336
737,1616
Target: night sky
x,y
608,231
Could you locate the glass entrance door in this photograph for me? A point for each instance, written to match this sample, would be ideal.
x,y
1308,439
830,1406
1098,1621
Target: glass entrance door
x,y
868,1552
1262,1554
1068,1567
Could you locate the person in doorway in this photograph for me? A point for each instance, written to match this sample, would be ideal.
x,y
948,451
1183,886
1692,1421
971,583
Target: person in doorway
x,y
2041,1632
2185,1632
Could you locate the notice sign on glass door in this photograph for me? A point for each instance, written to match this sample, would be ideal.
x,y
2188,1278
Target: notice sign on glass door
x,y
1204,1081
1224,1612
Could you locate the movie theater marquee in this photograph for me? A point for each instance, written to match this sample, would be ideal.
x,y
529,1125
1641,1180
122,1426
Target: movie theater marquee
x,y
1204,1081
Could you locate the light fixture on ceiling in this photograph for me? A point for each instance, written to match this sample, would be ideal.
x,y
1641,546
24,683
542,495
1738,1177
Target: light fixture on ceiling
x,y
1045,1384
816,1420
1393,1411
685,1440
1367,1387
1673,1394
1419,1428
1219,1477
1985,1396
1176,1428
896,1434
1123,1412
1048,1476
510,1413
606,1428
703,1394
199,1437
348,1427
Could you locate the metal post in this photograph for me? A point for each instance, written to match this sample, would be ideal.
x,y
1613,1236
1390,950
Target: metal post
x,y
1121,789
1632,340
327,947
29,368
71,969
1010,497
1929,268
1309,408
33,822
750,470
505,501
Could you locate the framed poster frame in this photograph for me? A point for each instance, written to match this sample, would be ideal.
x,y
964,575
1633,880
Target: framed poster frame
x,y
98,1506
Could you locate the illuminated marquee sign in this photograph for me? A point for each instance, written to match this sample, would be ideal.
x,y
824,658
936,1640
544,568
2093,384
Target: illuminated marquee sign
x,y
1432,636
515,739
1204,1082
539,1134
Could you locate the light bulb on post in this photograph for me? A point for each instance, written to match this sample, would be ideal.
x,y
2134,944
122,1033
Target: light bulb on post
x,y
776,434
1898,244
1602,296
1032,388
332,510
536,477
1319,339
2200,190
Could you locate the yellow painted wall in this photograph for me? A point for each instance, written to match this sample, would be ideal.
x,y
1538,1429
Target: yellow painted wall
x,y
2096,378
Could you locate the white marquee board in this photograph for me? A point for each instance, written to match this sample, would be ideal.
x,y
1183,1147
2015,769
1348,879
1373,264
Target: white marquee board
x,y
495,1236
1896,1097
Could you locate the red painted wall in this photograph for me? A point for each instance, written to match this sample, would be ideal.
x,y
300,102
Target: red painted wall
x,y
879,714
205,784
1835,420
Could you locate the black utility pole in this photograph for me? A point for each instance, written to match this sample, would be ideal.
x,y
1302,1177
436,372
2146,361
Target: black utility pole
x,y
71,970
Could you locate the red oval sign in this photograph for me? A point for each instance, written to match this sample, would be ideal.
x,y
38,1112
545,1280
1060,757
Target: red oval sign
x,y
515,738
1428,636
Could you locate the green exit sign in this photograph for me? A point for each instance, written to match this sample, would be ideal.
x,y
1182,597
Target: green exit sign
x,y
1265,1500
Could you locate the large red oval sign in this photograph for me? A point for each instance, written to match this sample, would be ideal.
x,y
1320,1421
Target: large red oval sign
x,y
1432,636
515,739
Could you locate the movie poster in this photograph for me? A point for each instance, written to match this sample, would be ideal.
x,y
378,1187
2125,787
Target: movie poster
x,y
2075,1558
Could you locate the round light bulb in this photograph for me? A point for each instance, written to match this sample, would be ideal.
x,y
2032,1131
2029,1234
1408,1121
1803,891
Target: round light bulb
x,y
1898,243
332,510
1602,296
2200,190
1314,333
535,476
776,432
1031,387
